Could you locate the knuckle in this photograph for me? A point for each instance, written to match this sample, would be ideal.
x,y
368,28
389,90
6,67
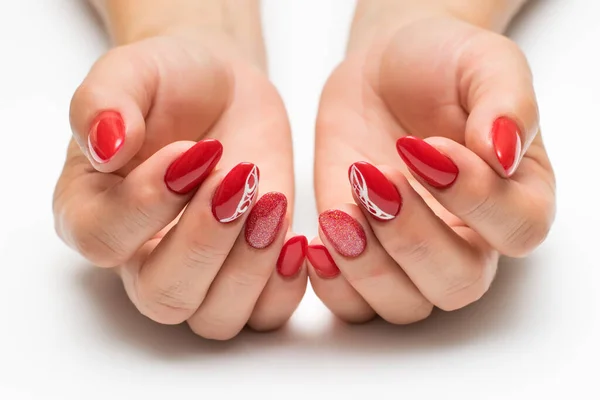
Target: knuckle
x,y
525,235
98,245
144,202
357,318
213,327
412,249
484,203
416,312
248,278
464,289
200,255
166,306
266,325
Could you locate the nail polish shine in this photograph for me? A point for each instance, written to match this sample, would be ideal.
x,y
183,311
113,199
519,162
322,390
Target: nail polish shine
x,y
435,168
106,136
188,171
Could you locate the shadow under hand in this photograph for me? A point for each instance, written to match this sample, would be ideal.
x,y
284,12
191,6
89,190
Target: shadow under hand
x,y
123,322
491,318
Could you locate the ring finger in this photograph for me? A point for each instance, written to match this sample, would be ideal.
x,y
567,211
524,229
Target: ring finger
x,y
368,268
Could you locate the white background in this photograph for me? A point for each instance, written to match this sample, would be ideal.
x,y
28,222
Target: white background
x,y
67,331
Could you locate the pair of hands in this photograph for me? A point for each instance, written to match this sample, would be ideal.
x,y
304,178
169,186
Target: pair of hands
x,y
407,222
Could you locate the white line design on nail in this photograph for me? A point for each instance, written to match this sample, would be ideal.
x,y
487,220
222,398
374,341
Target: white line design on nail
x,y
359,185
249,192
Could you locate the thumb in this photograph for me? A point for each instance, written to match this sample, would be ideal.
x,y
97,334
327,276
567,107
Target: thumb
x,y
497,86
108,109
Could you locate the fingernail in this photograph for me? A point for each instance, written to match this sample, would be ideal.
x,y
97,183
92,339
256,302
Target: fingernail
x,y
292,256
265,220
106,136
375,192
236,192
321,260
346,235
429,163
507,143
192,167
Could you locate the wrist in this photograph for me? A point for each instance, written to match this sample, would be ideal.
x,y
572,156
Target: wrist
x,y
235,21
376,18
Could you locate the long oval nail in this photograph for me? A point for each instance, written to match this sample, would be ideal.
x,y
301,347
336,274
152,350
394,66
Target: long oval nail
x,y
265,220
188,171
236,192
346,235
429,163
374,191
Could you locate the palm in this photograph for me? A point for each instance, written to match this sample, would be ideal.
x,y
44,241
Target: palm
x,y
199,92
373,98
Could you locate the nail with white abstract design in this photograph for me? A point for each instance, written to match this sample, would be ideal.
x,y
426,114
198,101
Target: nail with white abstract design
x,y
374,191
235,194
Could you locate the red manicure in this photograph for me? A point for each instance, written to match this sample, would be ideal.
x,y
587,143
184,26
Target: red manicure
x,y
429,163
106,136
374,191
292,256
321,260
507,142
192,167
265,220
345,234
236,192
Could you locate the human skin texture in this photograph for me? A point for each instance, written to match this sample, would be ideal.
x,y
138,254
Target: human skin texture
x,y
440,105
162,174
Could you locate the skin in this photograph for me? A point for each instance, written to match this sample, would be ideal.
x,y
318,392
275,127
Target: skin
x,y
439,71
179,73
186,69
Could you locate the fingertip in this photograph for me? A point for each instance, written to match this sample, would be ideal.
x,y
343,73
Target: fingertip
x,y
292,256
427,162
109,136
321,261
375,188
344,231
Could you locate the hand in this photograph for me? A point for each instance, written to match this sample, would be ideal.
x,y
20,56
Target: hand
x,y
478,182
189,243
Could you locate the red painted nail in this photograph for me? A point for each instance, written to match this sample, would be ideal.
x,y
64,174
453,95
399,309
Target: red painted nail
x,y
507,142
374,191
236,192
292,256
429,163
191,168
321,260
265,220
106,136
346,235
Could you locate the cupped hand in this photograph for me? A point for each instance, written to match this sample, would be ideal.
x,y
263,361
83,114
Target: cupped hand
x,y
140,193
429,165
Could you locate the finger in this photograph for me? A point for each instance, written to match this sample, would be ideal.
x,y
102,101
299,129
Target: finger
x,y
108,110
109,226
176,277
514,216
369,268
112,110
449,270
333,289
498,93
285,287
242,278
